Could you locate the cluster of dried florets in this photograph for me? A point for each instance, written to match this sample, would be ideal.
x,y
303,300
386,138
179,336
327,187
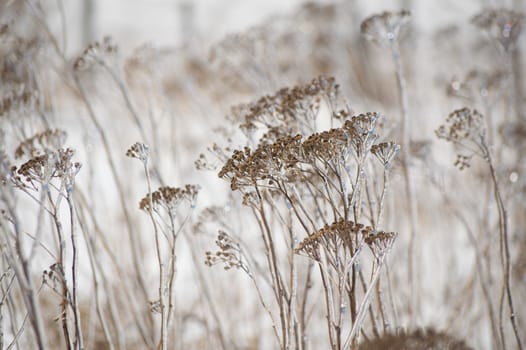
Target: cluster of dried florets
x,y
169,198
268,161
502,25
380,242
229,252
384,28
96,53
340,233
465,128
294,109
140,151
385,152
48,140
41,169
288,155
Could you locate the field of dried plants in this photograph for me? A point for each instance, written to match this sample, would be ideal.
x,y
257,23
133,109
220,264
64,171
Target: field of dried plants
x,y
328,178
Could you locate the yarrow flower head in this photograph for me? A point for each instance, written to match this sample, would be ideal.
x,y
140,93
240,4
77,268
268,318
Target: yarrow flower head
x,y
465,128
140,151
502,25
169,198
384,29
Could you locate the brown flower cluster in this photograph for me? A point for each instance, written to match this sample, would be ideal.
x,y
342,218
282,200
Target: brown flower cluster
x,y
268,161
380,242
288,155
384,28
502,25
48,140
463,124
292,108
41,169
385,152
344,232
140,151
415,340
95,53
361,130
229,252
169,198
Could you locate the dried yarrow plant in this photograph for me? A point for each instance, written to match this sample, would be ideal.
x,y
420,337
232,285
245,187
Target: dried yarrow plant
x,y
168,216
466,129
47,178
297,179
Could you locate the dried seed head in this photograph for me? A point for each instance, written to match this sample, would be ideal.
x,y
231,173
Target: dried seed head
x,y
48,140
361,129
384,28
41,169
140,151
380,242
229,253
344,232
385,152
169,198
502,25
463,124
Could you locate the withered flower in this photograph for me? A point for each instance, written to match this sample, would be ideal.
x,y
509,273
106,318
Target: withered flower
x,y
384,28
502,25
169,198
48,140
140,151
341,232
385,152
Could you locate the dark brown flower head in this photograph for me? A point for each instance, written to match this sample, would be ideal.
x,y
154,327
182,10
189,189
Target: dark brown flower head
x,y
140,151
380,242
268,161
502,25
169,198
338,233
384,29
48,140
385,152
326,145
41,169
361,130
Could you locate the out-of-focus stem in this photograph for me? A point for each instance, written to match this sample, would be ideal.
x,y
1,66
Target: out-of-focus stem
x,y
406,143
